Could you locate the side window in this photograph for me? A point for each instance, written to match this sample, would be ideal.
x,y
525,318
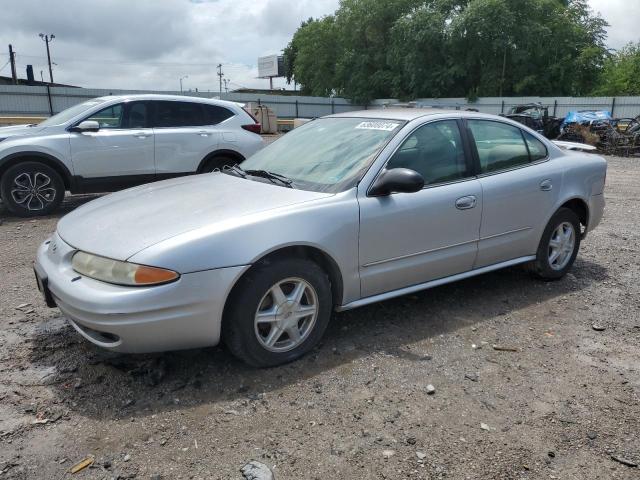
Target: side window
x,y
178,114
215,114
110,117
137,115
435,151
499,145
537,150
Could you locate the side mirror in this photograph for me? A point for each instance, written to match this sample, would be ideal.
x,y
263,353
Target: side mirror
x,y
397,180
86,126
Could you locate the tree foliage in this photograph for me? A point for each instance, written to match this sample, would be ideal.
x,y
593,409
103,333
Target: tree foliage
x,y
449,48
621,73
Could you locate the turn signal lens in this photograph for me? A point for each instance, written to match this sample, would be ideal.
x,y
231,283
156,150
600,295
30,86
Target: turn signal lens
x,y
151,275
120,273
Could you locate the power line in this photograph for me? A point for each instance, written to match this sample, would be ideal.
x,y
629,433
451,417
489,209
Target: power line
x,y
136,63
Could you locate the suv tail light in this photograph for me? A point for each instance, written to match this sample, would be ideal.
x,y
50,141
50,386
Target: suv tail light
x,y
253,127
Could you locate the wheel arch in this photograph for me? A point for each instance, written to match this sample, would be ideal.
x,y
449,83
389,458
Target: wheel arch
x,y
580,207
224,152
313,253
49,160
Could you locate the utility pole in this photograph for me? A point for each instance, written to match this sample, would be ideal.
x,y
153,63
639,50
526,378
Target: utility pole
x,y
12,60
47,39
226,85
504,67
181,78
220,74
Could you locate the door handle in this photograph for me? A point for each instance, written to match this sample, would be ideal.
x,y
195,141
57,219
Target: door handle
x,y
203,133
141,135
465,203
546,185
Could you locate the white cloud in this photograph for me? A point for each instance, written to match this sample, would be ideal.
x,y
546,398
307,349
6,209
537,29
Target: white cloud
x,y
150,44
623,17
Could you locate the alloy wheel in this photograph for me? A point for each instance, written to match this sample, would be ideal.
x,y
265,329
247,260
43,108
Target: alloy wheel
x,y
286,315
33,191
561,245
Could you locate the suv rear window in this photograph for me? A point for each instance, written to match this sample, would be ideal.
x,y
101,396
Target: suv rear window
x,y
215,114
179,114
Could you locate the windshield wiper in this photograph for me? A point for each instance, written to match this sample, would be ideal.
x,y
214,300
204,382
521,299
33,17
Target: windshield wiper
x,y
234,169
287,182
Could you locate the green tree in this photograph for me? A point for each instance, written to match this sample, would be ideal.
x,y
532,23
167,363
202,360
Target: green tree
x,y
437,48
310,57
363,70
621,73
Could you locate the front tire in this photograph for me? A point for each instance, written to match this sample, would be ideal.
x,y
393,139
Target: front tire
x,y
558,247
278,312
31,189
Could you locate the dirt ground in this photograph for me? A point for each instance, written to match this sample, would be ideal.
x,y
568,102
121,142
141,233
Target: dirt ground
x,y
565,404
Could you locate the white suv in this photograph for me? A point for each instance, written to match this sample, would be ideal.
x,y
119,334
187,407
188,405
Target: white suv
x,y
115,142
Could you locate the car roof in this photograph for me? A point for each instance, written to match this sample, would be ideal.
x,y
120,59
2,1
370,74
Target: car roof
x,y
182,98
409,114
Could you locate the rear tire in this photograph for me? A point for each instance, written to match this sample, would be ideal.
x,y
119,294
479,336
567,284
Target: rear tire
x,y
558,247
31,189
218,163
266,323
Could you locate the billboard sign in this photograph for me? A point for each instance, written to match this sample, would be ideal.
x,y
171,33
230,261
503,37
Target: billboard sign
x,y
270,66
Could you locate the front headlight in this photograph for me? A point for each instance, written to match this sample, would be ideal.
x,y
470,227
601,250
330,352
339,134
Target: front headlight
x,y
120,273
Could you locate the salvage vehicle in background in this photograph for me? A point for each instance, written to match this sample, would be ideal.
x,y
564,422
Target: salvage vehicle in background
x,y
344,211
611,136
536,116
115,142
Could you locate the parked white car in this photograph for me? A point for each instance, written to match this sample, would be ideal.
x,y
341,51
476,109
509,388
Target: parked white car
x,y
115,142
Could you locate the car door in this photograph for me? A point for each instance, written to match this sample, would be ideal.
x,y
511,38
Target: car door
x,y
184,136
411,238
519,190
119,154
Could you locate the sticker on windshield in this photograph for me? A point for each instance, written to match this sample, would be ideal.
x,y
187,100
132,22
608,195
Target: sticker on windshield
x,y
387,126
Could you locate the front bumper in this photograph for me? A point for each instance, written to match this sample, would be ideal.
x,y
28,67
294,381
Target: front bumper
x,y
184,314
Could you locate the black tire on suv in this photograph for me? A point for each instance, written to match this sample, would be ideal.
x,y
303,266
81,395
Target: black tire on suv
x,y
217,163
31,189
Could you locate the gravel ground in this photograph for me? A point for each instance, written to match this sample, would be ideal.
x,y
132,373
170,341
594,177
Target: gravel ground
x,y
562,402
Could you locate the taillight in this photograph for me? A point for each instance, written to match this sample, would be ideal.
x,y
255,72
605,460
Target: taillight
x,y
252,127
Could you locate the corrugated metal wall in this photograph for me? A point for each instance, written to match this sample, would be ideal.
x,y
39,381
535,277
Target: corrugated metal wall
x,y
558,106
24,100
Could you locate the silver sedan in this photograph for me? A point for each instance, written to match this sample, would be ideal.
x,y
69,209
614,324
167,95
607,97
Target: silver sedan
x,y
345,211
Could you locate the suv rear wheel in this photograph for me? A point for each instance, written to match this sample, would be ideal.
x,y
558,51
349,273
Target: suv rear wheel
x,y
30,189
218,163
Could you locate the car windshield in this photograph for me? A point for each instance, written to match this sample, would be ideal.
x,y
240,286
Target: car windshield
x,y
66,115
325,155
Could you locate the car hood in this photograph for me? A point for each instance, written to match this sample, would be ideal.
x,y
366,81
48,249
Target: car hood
x,y
15,130
123,223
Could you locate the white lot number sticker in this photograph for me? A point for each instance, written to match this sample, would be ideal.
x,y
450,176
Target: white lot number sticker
x,y
388,126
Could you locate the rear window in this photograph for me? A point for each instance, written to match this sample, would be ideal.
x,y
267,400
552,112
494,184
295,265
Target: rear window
x,y
215,114
179,114
537,150
500,146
